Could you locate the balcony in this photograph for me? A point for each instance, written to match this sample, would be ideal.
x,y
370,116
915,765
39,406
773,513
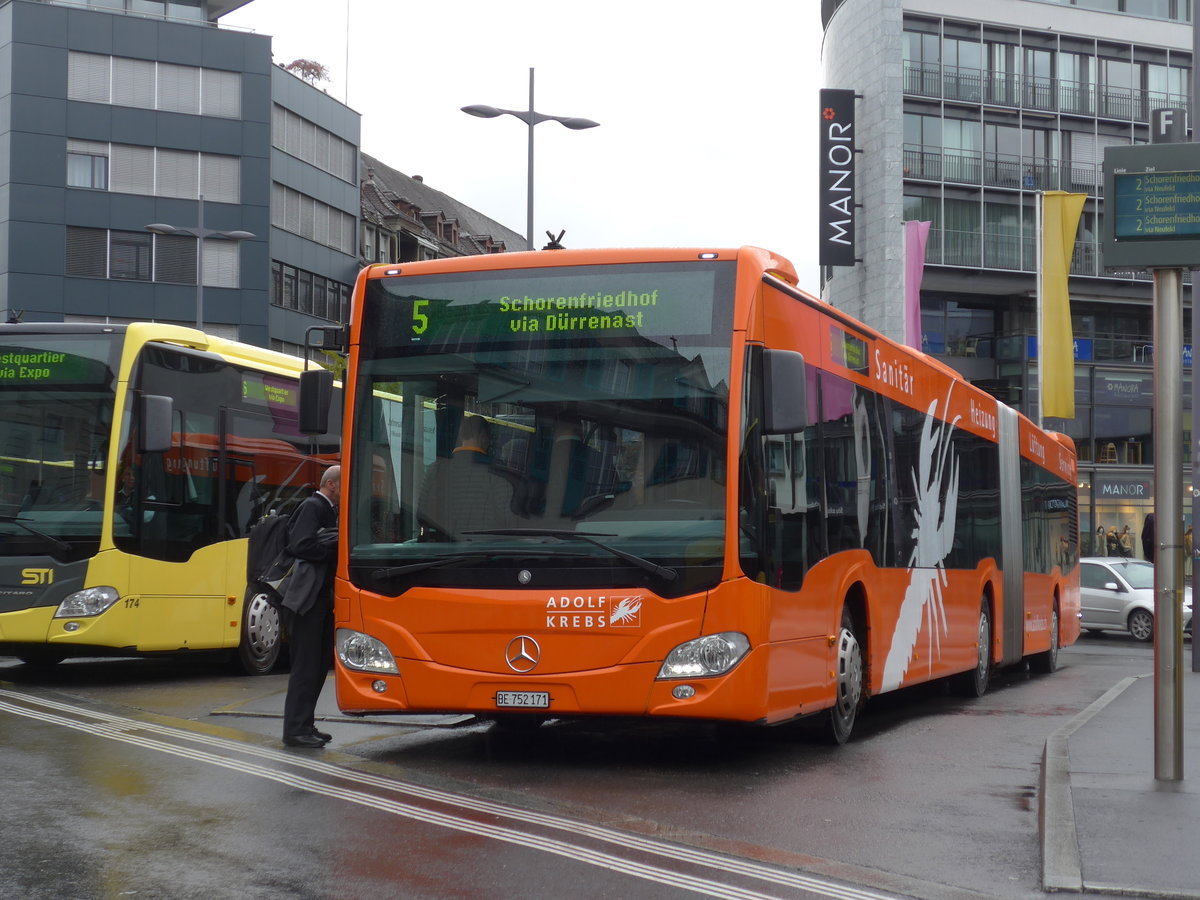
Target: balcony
x,y
1035,92
999,170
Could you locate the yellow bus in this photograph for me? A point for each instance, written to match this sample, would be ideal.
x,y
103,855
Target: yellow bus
x,y
133,461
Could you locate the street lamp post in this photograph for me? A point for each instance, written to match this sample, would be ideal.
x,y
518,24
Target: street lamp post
x,y
530,118
200,233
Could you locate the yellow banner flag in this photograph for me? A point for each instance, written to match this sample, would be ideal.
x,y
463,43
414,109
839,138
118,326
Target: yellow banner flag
x,y
1056,342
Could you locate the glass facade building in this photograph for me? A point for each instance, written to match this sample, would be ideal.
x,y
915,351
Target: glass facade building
x,y
963,121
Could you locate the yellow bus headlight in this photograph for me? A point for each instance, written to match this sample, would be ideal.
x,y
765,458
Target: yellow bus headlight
x,y
88,602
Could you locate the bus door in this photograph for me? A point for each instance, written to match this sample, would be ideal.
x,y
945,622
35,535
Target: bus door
x,y
180,562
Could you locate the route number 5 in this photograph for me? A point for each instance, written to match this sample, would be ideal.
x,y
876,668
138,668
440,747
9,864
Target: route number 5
x,y
420,319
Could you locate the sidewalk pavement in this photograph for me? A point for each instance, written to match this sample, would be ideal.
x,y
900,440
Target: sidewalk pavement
x,y
1107,825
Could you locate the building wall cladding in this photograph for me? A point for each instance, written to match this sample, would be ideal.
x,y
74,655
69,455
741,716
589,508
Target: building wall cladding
x,y
325,112
37,207
863,52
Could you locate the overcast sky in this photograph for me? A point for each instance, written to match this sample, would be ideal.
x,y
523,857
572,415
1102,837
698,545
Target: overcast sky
x,y
707,110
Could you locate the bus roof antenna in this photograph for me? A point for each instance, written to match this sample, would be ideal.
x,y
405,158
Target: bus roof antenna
x,y
555,242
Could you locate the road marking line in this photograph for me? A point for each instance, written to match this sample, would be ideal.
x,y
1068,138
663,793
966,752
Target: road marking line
x,y
123,729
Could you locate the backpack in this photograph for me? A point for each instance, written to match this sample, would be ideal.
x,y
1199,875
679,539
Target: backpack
x,y
268,562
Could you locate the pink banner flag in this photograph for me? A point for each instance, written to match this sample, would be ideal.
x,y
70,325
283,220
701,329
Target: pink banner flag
x,y
915,235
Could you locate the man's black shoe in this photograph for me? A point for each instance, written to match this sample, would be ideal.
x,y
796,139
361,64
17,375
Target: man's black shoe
x,y
323,735
311,741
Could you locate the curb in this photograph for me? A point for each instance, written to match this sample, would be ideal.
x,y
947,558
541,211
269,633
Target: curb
x,y
1061,866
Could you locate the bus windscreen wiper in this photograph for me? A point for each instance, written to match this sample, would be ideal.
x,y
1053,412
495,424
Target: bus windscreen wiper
x,y
665,572
60,546
394,571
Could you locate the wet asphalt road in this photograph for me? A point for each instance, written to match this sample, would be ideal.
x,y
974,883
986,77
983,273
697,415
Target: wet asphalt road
x,y
184,791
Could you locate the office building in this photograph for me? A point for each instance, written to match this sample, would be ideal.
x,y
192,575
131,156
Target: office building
x,y
966,112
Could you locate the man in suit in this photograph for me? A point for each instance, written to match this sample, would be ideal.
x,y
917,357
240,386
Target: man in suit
x,y
308,600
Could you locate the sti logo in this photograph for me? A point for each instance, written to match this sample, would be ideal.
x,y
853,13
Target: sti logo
x,y
37,576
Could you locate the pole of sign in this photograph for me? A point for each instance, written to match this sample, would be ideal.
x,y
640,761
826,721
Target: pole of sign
x,y
1166,126
1041,264
1195,380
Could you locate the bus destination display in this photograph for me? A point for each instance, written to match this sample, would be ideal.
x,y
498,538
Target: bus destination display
x,y
653,302
25,366
1157,205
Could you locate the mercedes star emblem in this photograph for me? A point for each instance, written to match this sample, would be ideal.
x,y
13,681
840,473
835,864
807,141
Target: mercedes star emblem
x,y
522,654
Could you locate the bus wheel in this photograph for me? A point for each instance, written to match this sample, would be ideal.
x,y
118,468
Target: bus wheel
x,y
839,720
1048,662
975,682
261,634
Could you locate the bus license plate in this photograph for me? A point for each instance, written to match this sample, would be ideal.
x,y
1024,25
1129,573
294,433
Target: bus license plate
x,y
523,699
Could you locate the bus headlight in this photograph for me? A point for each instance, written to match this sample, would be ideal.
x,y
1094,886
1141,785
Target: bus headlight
x,y
88,602
364,653
714,654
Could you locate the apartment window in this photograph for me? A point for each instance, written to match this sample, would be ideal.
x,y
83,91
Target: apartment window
x,y
221,258
221,178
962,157
312,219
175,258
962,69
922,64
961,235
87,165
129,255
289,287
176,174
178,88
312,144
153,171
133,82
318,293
334,308
87,252
304,283
185,9
309,293
146,84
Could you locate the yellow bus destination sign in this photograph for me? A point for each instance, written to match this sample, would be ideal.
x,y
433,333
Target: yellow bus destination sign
x,y
30,366
1154,197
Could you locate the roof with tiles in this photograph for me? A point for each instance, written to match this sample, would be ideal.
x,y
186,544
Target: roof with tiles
x,y
393,200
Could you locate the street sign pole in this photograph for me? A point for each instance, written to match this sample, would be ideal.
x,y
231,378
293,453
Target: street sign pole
x,y
1168,501
1167,126
1152,221
1195,380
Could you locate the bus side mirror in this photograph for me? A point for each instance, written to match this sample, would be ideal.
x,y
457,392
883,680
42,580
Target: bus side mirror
x,y
155,434
785,390
316,395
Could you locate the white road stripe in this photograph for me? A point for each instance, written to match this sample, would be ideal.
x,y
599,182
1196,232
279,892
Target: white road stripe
x,y
124,729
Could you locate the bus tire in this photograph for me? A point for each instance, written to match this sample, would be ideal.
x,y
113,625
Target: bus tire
x,y
1047,662
262,635
840,718
975,682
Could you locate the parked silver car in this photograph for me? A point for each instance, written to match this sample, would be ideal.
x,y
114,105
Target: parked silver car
x,y
1118,593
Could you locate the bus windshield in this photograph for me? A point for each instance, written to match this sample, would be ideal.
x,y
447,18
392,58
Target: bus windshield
x,y
56,411
560,426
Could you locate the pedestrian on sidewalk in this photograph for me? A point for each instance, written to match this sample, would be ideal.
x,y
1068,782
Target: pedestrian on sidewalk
x,y
308,605
1148,537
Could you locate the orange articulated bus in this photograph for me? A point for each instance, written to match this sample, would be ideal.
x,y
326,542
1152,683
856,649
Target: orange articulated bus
x,y
669,483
